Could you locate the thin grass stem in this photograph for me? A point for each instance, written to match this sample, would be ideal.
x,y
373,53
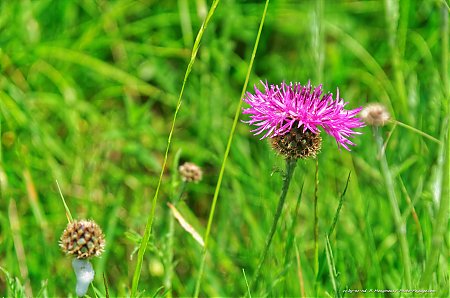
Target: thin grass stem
x,y
105,283
392,8
417,131
399,223
291,233
290,167
168,272
338,211
19,246
68,214
301,282
246,283
332,268
333,226
316,226
148,227
227,152
441,222
445,47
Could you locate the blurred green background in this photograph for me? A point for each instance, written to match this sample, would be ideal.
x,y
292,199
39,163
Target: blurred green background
x,y
87,95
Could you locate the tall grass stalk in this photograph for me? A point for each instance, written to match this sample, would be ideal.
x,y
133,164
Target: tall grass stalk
x,y
19,246
316,226
445,44
246,283
290,241
301,281
169,265
227,152
176,195
319,50
148,227
290,167
318,41
441,222
332,227
392,8
400,224
332,268
68,214
291,234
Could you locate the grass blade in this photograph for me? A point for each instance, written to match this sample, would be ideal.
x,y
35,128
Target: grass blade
x,y
148,227
227,151
332,267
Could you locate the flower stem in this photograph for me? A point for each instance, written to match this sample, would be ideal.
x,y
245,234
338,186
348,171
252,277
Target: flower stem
x,y
416,131
290,167
399,222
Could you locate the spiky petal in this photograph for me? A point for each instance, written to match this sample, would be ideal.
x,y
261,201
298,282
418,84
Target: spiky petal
x,y
277,109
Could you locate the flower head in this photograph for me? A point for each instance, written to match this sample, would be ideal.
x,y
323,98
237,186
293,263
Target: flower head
x,y
190,172
375,114
297,143
278,109
82,239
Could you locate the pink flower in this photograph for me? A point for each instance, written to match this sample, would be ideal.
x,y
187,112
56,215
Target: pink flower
x,y
276,110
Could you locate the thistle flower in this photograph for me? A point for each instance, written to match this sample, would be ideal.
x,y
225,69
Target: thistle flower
x,y
190,172
375,114
279,111
82,239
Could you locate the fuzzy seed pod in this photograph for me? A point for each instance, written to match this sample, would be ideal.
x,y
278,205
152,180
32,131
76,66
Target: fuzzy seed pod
x,y
297,143
375,114
82,239
190,172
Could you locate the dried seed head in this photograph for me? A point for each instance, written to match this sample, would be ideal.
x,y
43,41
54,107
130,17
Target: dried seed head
x,y
82,239
375,114
297,144
190,172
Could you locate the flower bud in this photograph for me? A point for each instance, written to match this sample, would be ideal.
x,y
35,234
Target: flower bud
x,y
82,239
190,172
375,114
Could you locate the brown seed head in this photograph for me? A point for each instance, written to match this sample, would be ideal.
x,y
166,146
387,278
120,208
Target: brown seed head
x,y
82,239
375,114
297,144
190,172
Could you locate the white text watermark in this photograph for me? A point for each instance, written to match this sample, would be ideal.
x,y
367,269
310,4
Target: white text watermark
x,y
389,291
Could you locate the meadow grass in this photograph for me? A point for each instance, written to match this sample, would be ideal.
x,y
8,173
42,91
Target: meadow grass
x,y
90,96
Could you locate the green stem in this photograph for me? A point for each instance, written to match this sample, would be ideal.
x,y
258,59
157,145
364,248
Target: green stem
x,y
169,266
392,8
316,226
225,156
148,226
399,223
416,131
441,222
68,214
169,256
445,48
322,258
290,167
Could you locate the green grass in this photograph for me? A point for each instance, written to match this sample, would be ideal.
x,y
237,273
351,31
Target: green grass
x,y
88,94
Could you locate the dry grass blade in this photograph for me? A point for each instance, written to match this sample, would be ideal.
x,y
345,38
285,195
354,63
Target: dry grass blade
x,y
185,225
